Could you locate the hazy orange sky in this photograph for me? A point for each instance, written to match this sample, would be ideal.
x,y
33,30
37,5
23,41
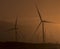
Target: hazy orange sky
x,y
29,19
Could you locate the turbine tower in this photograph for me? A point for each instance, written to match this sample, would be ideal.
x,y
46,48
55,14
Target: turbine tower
x,y
42,22
15,28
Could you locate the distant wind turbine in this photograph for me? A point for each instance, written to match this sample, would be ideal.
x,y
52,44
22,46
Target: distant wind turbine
x,y
15,28
41,22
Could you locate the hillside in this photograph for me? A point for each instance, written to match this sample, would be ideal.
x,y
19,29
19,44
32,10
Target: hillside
x,y
21,45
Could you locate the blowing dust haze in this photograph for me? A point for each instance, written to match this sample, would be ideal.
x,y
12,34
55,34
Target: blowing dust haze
x,y
28,20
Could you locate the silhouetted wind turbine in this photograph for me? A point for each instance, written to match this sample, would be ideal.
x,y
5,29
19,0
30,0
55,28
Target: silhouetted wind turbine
x,y
15,28
41,22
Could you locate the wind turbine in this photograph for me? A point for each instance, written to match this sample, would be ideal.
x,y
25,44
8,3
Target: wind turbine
x,y
42,22
15,28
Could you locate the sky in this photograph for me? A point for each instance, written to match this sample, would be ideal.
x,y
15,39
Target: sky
x,y
28,20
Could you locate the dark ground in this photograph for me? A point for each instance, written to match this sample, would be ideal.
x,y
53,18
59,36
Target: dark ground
x,y
21,45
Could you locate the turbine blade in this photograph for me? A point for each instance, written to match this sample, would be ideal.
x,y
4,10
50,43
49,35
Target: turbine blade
x,y
11,29
16,21
48,21
37,27
38,11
